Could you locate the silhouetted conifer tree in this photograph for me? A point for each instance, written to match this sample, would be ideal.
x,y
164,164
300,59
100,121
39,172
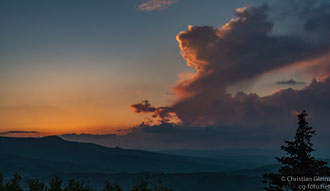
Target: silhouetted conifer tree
x,y
35,185
112,187
2,186
55,184
74,185
298,168
14,183
144,184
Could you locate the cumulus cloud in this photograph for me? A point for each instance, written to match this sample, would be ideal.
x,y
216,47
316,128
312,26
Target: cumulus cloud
x,y
156,5
242,50
18,132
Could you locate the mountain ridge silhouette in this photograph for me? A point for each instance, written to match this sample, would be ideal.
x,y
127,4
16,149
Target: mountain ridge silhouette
x,y
56,149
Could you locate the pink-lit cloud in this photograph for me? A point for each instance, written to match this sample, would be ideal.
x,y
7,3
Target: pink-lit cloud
x,y
156,5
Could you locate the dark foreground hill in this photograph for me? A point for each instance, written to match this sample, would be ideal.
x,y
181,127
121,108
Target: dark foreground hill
x,y
55,155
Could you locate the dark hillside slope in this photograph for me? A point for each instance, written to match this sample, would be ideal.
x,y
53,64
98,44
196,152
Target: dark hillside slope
x,y
83,155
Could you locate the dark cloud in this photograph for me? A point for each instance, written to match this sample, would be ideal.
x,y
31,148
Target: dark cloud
x,y
318,15
18,132
290,82
164,114
144,107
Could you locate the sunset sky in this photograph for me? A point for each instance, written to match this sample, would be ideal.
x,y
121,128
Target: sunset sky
x,y
83,66
76,66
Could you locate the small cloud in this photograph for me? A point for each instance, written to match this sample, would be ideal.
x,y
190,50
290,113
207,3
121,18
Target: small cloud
x,y
144,107
290,82
17,132
164,113
156,5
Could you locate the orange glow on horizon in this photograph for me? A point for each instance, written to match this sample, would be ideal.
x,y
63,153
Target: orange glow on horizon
x,y
70,100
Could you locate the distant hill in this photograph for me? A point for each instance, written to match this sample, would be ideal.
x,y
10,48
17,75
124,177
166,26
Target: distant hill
x,y
233,159
53,155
